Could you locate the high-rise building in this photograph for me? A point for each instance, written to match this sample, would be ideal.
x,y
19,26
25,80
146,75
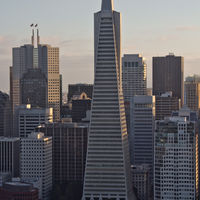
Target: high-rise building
x,y
48,61
192,92
142,115
9,156
80,106
141,181
107,174
28,118
5,115
134,76
69,150
176,158
36,160
34,88
168,75
165,104
29,57
22,58
74,89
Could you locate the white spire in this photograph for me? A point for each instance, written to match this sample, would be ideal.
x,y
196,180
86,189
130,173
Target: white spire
x,y
107,5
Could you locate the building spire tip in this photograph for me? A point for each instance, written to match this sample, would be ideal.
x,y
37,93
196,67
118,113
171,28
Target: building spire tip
x,y
107,5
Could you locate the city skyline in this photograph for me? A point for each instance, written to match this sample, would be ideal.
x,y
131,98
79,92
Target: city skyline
x,y
155,33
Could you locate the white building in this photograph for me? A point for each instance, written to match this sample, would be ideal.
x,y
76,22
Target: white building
x,y
176,159
107,174
27,119
134,76
36,160
9,156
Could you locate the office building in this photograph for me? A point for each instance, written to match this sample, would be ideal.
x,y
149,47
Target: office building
x,y
9,159
34,88
142,115
69,150
168,75
107,174
166,104
141,181
29,57
36,160
5,115
28,118
80,105
134,76
74,89
48,61
176,158
22,60
192,92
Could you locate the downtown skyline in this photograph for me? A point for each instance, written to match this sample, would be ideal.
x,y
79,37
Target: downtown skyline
x,y
146,30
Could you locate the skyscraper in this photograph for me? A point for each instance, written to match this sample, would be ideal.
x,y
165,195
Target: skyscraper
x,y
134,76
34,88
69,150
36,160
5,115
168,75
29,57
176,158
48,61
22,58
28,118
107,174
142,115
9,159
192,92
165,104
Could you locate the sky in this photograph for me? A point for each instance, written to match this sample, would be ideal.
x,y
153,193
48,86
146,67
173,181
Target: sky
x,y
149,27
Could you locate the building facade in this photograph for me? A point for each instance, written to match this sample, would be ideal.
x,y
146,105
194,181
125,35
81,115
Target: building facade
x,y
36,160
9,159
48,62
176,159
134,76
80,105
73,89
141,181
69,150
166,104
34,88
168,75
28,118
18,190
192,92
29,58
142,115
107,174
5,115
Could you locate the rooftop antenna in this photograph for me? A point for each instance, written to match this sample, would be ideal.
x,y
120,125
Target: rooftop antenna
x,y
32,37
38,36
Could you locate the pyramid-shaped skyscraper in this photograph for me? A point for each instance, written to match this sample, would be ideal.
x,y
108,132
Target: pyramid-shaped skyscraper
x,y
107,174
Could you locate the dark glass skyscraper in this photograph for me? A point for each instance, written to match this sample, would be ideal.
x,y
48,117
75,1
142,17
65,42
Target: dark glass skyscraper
x,y
168,76
34,88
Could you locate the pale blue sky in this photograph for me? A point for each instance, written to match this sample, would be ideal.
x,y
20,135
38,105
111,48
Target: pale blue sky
x,y
150,27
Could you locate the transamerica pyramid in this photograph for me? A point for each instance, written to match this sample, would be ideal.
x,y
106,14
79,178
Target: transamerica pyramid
x,y
107,173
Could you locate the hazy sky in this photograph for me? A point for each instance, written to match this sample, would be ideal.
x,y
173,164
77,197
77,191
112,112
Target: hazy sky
x,y
149,27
